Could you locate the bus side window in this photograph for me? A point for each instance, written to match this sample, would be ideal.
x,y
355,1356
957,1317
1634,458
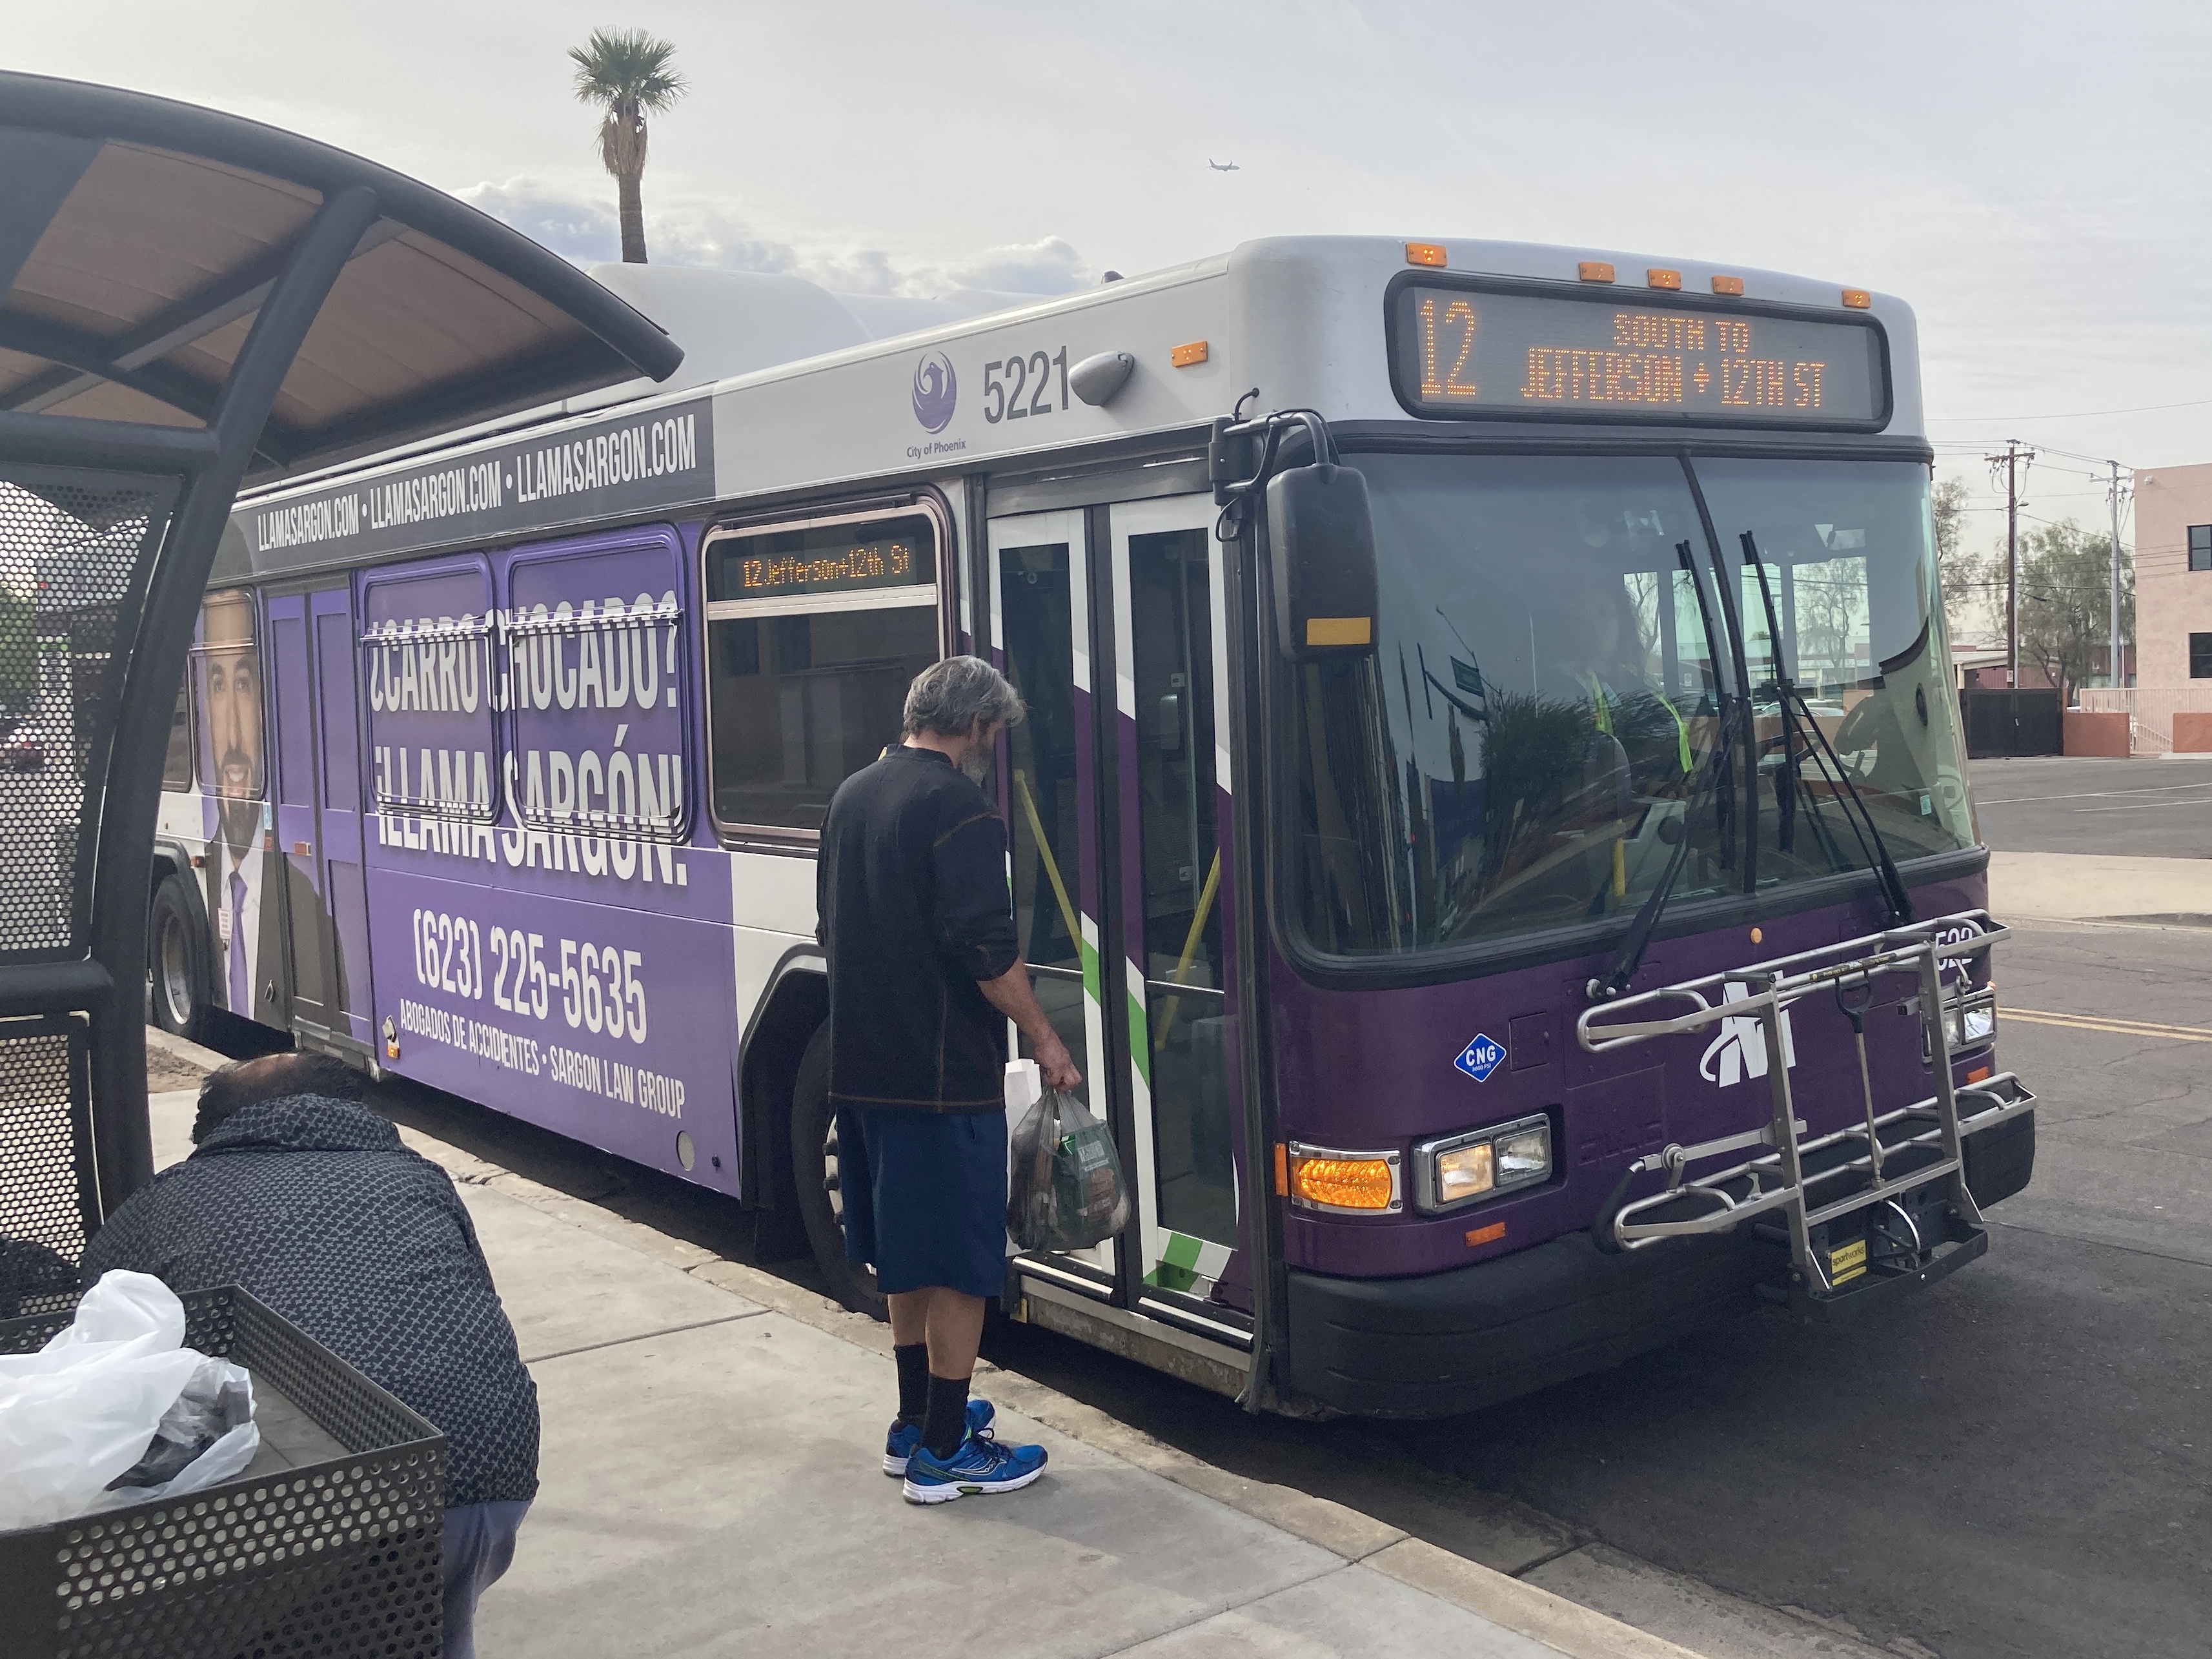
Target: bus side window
x,y
595,670
427,674
177,765
814,632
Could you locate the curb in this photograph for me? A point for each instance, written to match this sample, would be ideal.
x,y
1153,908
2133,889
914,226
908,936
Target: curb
x,y
1566,1627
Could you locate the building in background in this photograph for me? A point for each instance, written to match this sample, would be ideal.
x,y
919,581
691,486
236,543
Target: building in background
x,y
2174,605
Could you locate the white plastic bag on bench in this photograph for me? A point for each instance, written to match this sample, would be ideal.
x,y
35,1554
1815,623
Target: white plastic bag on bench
x,y
113,1410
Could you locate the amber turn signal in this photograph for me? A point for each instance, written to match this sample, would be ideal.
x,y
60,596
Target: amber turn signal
x,y
1342,1183
1425,253
1340,630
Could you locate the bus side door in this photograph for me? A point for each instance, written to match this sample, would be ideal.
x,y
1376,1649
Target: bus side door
x,y
317,812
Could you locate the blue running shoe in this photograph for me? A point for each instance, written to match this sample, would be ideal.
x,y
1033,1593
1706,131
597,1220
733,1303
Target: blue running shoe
x,y
904,1437
982,1465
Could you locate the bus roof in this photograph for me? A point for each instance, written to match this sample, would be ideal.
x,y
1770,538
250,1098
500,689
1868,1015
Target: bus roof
x,y
813,390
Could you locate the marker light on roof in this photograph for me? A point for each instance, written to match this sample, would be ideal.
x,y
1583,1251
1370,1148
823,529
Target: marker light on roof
x,y
1857,299
1658,278
1425,253
1595,271
1729,285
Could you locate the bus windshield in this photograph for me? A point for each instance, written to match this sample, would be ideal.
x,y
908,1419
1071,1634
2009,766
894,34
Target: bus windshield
x,y
1535,732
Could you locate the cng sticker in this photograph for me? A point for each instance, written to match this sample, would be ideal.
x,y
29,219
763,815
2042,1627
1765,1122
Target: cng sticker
x,y
1481,1057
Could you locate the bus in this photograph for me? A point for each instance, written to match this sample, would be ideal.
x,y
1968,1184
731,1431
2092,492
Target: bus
x,y
1491,821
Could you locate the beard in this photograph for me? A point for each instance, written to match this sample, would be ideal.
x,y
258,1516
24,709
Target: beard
x,y
977,763
241,817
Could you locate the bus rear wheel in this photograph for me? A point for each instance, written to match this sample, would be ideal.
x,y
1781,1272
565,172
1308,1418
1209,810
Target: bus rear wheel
x,y
816,1178
176,961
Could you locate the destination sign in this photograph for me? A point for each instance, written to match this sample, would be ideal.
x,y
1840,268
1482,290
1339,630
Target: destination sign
x,y
1464,352
825,559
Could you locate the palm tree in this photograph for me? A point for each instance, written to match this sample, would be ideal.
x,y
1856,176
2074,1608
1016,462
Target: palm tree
x,y
630,73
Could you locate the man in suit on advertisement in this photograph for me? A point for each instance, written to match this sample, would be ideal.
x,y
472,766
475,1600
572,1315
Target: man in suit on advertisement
x,y
234,771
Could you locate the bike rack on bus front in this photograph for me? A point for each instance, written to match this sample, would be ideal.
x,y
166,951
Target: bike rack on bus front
x,y
1890,1160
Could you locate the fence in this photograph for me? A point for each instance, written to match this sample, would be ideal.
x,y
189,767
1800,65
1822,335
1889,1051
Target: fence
x,y
2151,710
2003,724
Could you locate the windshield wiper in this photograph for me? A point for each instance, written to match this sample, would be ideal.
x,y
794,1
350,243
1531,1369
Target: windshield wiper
x,y
1719,761
1863,828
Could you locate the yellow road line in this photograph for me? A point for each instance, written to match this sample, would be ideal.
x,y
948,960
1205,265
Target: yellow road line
x,y
2116,1027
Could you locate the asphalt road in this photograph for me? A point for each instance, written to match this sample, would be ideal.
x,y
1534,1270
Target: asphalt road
x,y
2140,808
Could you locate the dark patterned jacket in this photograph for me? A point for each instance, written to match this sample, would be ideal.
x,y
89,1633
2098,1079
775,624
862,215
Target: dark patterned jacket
x,y
313,1205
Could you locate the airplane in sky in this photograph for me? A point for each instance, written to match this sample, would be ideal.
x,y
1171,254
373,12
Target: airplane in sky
x,y
1221,166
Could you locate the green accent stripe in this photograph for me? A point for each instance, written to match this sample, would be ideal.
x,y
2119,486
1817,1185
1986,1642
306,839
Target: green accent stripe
x,y
1140,1040
1092,977
1178,1265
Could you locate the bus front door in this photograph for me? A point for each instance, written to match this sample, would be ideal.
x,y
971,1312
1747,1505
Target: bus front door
x,y
1041,633
1172,837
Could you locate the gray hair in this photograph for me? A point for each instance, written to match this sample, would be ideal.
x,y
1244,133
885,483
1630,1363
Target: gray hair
x,y
949,697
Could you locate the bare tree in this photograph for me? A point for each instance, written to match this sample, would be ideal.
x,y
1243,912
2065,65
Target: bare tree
x,y
631,75
2065,585
1965,576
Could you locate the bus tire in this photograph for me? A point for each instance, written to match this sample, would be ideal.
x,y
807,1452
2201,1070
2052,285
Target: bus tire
x,y
177,967
815,1178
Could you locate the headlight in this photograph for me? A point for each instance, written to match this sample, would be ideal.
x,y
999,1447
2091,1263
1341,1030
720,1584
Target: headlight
x,y
1460,1170
1972,1026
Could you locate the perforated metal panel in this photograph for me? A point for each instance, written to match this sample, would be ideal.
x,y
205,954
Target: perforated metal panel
x,y
69,543
338,1557
47,1203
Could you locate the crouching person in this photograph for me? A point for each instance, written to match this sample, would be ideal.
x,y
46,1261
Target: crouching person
x,y
298,1192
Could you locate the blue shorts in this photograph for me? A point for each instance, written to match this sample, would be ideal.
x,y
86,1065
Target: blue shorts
x,y
924,1197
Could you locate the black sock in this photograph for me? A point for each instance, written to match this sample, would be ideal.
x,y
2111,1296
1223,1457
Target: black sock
x,y
945,1424
913,1361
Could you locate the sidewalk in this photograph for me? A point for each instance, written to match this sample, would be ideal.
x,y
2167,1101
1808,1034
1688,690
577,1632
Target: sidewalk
x,y
710,1484
2097,887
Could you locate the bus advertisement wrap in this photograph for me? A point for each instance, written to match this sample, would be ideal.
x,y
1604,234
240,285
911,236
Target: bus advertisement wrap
x,y
636,463
536,943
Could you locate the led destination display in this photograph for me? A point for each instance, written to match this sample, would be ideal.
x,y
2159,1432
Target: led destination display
x,y
1463,352
825,559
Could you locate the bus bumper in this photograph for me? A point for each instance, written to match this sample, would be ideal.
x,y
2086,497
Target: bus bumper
x,y
1457,1341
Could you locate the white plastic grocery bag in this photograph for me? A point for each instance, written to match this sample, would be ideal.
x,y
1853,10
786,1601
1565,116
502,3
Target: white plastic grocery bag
x,y
116,1393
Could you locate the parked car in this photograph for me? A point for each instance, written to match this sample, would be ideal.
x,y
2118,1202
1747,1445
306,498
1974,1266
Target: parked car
x,y
23,751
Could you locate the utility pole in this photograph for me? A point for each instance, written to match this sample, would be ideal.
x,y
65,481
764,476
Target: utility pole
x,y
2112,657
2013,457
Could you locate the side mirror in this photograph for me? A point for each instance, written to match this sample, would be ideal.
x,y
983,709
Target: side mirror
x,y
1321,536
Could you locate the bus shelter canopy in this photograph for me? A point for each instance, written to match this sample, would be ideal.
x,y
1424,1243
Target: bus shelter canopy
x,y
139,238
189,300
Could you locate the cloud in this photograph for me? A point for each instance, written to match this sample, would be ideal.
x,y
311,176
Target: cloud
x,y
584,228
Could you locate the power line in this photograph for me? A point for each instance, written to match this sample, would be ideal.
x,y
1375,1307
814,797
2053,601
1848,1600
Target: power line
x,y
2075,414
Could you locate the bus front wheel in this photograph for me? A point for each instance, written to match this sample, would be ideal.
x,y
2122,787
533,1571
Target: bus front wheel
x,y
176,961
816,1178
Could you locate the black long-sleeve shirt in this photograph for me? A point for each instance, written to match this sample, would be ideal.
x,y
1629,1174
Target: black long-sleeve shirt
x,y
913,913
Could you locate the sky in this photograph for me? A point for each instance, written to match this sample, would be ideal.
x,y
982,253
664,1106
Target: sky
x,y
2030,177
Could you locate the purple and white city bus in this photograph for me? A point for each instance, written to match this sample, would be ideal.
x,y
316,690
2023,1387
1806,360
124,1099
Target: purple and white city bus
x,y
1492,822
